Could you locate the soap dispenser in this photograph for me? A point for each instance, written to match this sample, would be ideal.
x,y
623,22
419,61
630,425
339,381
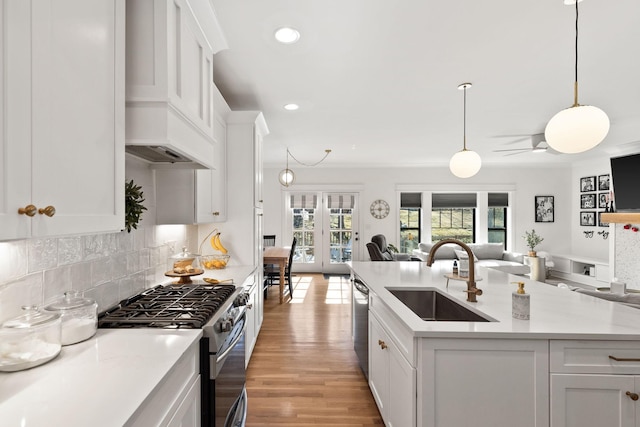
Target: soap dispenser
x,y
520,303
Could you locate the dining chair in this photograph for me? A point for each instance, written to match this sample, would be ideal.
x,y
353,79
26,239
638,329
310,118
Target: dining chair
x,y
272,275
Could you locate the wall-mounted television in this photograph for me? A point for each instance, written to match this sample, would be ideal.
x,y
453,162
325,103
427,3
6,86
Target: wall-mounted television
x,y
625,177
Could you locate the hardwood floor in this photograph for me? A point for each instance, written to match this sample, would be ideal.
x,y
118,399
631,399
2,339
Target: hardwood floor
x,y
303,371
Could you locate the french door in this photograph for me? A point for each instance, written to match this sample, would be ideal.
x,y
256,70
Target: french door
x,y
326,230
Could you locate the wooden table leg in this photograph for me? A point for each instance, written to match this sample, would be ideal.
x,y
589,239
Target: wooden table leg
x,y
281,264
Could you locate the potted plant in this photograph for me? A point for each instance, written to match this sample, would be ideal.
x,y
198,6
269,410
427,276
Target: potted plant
x,y
532,240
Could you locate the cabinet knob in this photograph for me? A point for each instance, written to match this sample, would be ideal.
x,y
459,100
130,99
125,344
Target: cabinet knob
x,y
28,210
633,396
48,211
382,344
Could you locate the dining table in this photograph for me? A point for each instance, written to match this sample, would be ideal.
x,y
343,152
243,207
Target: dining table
x,y
279,256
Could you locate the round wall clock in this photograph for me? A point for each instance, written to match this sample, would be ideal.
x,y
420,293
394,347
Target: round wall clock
x,y
379,209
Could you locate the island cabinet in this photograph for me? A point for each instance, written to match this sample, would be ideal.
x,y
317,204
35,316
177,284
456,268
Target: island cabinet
x,y
483,382
62,117
590,388
392,377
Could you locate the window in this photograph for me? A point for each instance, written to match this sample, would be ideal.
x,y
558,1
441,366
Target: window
x,y
453,217
410,207
340,237
497,218
303,231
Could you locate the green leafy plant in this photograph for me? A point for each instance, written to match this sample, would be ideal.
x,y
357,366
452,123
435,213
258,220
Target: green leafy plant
x,y
133,207
532,239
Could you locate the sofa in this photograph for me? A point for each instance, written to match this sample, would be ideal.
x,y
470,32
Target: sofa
x,y
485,255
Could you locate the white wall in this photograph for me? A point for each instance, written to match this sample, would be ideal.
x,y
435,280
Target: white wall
x,y
383,183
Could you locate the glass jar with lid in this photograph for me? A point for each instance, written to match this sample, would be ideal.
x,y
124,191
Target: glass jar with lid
x,y
79,316
29,340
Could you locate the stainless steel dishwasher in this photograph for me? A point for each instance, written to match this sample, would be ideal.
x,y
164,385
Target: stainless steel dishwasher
x,y
360,319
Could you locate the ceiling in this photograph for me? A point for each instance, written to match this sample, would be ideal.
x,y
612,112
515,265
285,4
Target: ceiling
x,y
376,80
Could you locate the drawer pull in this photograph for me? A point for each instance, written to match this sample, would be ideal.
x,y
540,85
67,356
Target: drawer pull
x,y
382,344
622,359
633,396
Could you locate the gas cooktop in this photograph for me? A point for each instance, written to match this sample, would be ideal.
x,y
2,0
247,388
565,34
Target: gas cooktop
x,y
170,306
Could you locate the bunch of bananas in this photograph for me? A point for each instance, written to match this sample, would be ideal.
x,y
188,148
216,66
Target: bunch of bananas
x,y
217,244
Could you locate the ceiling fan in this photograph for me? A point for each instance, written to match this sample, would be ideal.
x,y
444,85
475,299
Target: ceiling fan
x,y
538,145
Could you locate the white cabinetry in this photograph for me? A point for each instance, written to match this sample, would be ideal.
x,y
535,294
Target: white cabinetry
x,y
484,383
62,143
589,388
582,270
176,400
391,378
254,320
170,90
245,132
188,196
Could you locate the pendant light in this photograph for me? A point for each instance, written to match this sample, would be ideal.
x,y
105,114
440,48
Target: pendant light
x,y
286,176
465,163
580,127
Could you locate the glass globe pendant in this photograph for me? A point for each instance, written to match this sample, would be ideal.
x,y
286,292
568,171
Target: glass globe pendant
x,y
465,163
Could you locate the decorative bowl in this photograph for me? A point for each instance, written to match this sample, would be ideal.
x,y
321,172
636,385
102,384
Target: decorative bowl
x,y
214,262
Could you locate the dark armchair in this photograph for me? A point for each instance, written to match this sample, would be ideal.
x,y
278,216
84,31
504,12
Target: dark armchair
x,y
379,251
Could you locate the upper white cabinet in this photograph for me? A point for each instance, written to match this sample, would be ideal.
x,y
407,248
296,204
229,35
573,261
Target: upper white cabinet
x,y
169,74
62,119
187,196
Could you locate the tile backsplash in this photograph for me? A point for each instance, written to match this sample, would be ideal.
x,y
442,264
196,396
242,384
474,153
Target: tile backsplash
x,y
106,267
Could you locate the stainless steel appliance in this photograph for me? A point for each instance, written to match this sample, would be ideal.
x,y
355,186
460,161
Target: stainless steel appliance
x,y
360,319
219,310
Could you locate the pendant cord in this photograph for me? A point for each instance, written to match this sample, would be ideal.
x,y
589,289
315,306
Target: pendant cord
x,y
327,152
464,121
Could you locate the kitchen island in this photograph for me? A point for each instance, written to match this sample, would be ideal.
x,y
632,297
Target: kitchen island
x,y
553,369
119,377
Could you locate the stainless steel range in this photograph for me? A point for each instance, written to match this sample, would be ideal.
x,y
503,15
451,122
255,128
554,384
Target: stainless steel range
x,y
219,310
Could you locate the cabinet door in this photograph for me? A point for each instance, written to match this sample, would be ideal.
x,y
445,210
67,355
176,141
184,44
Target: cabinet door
x,y
257,160
15,118
484,383
250,334
402,390
592,401
379,364
188,413
77,115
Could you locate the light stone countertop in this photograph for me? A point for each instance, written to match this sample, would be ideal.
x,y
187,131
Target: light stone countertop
x,y
101,381
556,313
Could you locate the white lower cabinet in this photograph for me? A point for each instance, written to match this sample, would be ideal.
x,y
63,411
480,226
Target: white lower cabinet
x,y
593,400
483,383
392,379
594,383
176,400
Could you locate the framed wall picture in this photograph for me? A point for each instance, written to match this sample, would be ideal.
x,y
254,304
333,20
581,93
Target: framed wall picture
x,y
588,201
600,223
587,184
544,209
588,219
602,200
603,182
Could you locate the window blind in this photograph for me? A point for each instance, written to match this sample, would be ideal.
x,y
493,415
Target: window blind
x,y
341,201
304,201
498,200
410,200
453,200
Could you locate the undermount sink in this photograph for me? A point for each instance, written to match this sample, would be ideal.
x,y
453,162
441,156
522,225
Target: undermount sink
x,y
431,305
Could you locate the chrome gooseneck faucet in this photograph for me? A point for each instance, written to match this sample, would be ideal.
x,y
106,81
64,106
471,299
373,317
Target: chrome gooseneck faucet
x,y
471,291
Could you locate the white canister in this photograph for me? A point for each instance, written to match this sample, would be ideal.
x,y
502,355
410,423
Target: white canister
x,y
79,317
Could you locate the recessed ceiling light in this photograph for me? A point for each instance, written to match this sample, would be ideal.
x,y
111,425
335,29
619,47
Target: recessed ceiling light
x,y
287,35
291,107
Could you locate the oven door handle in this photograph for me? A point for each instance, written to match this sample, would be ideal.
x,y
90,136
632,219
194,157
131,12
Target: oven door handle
x,y
233,344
